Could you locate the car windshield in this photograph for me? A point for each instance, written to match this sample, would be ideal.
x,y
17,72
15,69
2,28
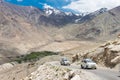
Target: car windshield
x,y
64,59
89,60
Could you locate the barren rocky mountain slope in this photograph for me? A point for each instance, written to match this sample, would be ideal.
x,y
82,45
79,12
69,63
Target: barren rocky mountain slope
x,y
102,27
17,33
26,23
25,28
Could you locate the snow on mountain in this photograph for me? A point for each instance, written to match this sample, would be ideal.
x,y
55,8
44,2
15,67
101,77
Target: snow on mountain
x,y
78,17
89,16
69,13
102,10
49,10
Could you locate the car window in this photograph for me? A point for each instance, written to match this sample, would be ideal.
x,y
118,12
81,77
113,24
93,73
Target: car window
x,y
64,59
87,60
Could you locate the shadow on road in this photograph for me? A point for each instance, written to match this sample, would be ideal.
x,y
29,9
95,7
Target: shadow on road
x,y
89,69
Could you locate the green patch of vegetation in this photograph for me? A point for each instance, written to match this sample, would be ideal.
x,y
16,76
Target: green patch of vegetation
x,y
34,56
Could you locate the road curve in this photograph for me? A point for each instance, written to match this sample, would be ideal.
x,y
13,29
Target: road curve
x,y
106,74
103,73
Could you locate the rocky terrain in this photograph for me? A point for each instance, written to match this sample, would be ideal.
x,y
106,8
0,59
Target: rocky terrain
x,y
15,71
107,54
55,72
50,70
16,29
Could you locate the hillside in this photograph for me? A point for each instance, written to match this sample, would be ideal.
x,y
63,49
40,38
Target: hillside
x,y
29,21
25,28
17,33
102,27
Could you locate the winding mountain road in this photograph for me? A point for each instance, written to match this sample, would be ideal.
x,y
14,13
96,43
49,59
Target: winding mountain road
x,y
103,73
106,74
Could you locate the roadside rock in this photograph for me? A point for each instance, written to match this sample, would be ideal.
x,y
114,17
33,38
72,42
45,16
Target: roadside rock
x,y
76,77
6,66
116,60
107,55
50,71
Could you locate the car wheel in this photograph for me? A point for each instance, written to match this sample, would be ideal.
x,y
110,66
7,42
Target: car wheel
x,y
82,67
86,67
95,68
61,63
68,64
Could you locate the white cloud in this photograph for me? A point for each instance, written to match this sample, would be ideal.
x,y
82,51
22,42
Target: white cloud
x,y
92,5
47,6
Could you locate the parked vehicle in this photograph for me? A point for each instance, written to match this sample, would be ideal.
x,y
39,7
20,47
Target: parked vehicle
x,y
65,61
88,64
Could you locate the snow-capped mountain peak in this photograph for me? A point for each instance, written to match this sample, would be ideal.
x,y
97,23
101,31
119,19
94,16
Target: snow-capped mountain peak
x,y
89,16
69,13
50,10
102,10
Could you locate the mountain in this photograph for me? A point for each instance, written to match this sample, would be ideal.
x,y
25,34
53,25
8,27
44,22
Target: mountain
x,y
56,17
105,26
24,21
92,15
18,30
23,28
29,21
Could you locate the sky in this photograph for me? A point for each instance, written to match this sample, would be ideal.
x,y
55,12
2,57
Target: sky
x,y
84,6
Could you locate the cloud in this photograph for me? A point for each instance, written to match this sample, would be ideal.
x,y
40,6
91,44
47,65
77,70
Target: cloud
x,y
70,5
47,6
91,5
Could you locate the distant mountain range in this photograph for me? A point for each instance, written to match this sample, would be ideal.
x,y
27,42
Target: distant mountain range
x,y
105,26
49,19
56,17
15,16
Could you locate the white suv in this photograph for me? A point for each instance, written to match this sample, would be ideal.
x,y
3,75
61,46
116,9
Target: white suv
x,y
64,61
88,64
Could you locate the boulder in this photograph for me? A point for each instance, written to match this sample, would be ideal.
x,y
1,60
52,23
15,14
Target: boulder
x,y
76,77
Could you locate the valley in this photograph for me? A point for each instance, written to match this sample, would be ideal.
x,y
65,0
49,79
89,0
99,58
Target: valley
x,y
33,40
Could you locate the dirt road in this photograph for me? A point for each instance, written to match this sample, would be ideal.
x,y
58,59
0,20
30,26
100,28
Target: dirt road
x,y
103,73
106,74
